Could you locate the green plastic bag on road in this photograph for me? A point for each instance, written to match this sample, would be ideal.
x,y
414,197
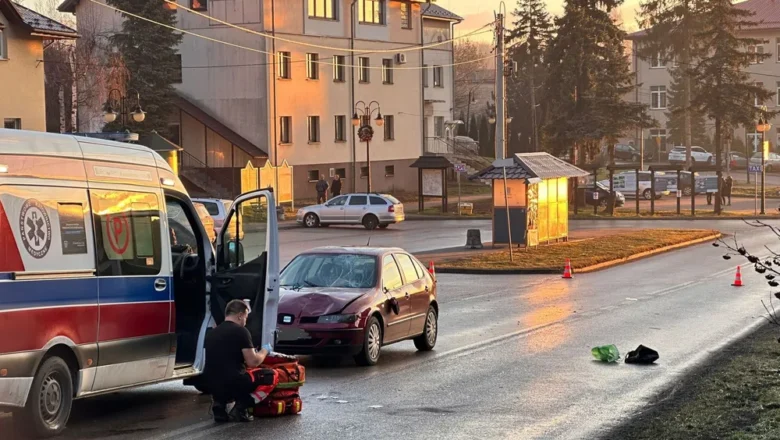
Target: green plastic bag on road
x,y
606,353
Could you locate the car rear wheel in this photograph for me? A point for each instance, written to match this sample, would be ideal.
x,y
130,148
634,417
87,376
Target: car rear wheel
x,y
427,340
647,194
709,161
370,222
311,220
372,344
49,402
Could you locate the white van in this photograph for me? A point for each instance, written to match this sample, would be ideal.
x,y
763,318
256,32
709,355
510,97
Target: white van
x,y
626,183
107,277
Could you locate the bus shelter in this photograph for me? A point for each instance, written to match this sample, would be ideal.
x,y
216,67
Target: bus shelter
x,y
530,198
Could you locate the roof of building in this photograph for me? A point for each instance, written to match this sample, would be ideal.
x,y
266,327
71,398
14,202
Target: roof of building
x,y
37,24
435,11
221,129
532,165
431,162
767,16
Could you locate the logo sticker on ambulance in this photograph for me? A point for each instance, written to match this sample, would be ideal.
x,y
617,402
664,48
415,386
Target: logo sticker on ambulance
x,y
35,228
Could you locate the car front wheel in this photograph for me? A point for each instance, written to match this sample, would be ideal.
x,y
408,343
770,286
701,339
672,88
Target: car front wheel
x,y
647,194
49,402
427,340
311,220
372,344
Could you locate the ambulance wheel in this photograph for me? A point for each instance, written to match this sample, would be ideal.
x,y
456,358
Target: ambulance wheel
x,y
372,344
427,340
49,402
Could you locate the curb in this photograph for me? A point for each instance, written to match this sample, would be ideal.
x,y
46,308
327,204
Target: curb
x,y
588,269
681,218
423,217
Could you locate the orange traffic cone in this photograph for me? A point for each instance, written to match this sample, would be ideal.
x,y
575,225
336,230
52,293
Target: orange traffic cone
x,y
738,278
567,270
432,269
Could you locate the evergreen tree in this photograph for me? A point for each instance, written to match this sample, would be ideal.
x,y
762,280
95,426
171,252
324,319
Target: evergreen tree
x,y
676,115
588,78
149,54
672,29
726,94
530,34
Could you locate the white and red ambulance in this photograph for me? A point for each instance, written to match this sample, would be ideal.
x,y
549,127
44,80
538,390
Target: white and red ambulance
x,y
107,277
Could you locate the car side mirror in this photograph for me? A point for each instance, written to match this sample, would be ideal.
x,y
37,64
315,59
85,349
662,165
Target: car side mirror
x,y
394,306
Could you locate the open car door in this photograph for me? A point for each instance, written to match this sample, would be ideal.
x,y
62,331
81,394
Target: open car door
x,y
248,263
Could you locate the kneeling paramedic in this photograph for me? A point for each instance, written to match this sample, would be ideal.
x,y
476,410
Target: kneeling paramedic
x,y
229,351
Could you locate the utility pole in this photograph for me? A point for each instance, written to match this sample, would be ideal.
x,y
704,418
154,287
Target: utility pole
x,y
500,89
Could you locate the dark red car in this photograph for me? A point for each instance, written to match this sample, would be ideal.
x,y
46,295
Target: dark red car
x,y
352,301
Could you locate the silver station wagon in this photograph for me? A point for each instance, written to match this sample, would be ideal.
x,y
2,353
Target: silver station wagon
x,y
370,210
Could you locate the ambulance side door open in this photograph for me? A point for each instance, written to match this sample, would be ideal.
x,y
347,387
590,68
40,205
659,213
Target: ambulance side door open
x,y
247,263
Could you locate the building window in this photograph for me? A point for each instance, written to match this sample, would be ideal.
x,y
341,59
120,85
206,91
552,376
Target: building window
x,y
371,11
177,75
312,66
438,126
314,175
656,62
759,51
658,97
658,135
12,123
313,124
389,127
284,61
363,172
322,9
3,54
438,76
199,5
387,71
425,75
341,128
756,100
339,62
406,15
285,129
365,69
777,48
174,133
389,170
341,172
136,249
777,95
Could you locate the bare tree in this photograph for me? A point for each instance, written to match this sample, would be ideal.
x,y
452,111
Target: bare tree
x,y
469,82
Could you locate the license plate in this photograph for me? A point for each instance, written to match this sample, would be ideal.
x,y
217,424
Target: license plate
x,y
292,334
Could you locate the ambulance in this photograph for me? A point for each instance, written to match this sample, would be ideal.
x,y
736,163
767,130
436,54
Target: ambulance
x,y
107,276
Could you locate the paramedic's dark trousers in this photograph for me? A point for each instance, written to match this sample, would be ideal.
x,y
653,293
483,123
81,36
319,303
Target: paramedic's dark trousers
x,y
240,388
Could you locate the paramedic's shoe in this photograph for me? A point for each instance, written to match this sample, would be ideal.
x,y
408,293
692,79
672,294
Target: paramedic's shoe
x,y
220,412
240,415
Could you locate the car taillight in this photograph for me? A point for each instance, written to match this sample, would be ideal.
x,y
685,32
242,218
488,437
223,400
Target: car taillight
x,y
391,208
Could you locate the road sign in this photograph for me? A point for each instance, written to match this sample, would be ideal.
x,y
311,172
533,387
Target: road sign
x,y
679,193
754,168
461,168
595,195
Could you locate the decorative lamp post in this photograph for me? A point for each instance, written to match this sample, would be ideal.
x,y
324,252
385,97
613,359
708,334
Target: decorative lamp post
x,y
763,126
110,113
362,119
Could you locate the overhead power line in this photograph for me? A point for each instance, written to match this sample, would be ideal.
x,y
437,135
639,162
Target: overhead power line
x,y
303,43
252,49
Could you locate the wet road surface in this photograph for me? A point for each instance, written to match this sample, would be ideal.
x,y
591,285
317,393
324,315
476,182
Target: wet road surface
x,y
512,361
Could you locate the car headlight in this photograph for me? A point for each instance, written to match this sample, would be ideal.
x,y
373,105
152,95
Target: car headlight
x,y
337,319
300,212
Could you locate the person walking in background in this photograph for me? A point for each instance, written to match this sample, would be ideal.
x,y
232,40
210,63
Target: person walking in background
x,y
727,189
322,189
723,191
335,186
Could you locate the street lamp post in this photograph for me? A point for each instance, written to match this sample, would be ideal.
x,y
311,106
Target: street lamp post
x,y
763,126
110,114
362,119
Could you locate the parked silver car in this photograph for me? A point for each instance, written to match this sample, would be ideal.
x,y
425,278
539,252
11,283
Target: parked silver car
x,y
218,209
772,163
370,210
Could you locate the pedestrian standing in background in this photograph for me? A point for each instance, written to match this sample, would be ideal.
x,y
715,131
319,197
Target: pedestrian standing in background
x,y
723,191
728,187
335,186
322,189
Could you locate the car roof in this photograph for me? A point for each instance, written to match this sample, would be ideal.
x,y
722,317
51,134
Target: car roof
x,y
359,250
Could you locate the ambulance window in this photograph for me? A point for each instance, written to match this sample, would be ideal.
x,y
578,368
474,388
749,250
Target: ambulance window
x,y
127,233
181,231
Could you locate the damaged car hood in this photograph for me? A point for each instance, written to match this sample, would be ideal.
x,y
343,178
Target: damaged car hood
x,y
317,301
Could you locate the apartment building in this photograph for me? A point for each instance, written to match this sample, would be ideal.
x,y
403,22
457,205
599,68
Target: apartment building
x,y
654,78
23,33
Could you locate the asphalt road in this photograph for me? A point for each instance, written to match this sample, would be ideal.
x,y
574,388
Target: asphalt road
x,y
513,357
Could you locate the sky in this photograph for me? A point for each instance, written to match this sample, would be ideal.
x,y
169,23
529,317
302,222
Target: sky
x,y
478,12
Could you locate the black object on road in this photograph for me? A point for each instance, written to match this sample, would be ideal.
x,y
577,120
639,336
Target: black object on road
x,y
642,355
